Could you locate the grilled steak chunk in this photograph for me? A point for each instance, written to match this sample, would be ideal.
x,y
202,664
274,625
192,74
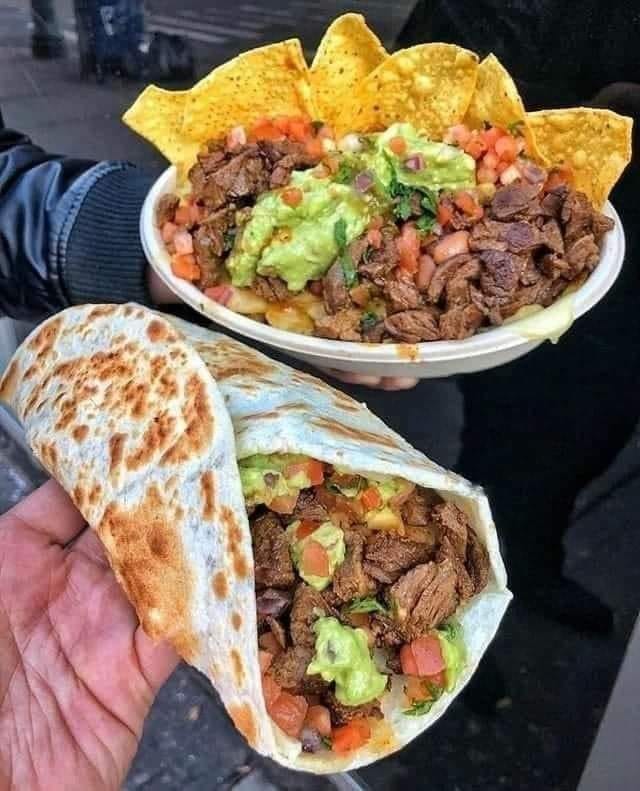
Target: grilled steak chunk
x,y
389,555
349,580
341,714
308,606
424,597
336,294
273,566
413,326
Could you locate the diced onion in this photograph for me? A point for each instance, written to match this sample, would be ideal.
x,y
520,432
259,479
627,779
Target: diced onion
x,y
510,174
414,163
350,143
363,181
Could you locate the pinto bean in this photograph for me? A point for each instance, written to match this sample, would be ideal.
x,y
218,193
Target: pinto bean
x,y
450,245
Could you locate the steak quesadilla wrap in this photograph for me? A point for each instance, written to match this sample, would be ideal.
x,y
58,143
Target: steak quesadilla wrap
x,y
336,586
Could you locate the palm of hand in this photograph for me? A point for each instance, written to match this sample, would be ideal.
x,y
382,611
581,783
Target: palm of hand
x,y
77,674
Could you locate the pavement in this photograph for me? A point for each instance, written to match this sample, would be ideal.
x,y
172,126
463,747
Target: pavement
x,y
538,735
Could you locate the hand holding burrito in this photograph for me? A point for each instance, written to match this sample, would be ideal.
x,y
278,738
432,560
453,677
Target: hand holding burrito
x,y
166,436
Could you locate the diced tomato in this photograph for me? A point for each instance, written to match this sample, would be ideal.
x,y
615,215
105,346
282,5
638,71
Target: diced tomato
x,y
265,659
182,215
444,214
502,166
374,237
221,294
284,504
281,123
475,146
319,719
458,134
408,245
491,135
270,689
490,159
269,642
185,266
315,559
315,147
485,175
416,689
326,132
408,661
371,498
506,148
313,469
299,129
350,736
305,528
398,145
292,196
468,204
428,655
167,232
183,242
288,712
264,129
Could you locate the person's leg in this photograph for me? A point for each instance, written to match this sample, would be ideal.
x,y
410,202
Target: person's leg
x,y
46,40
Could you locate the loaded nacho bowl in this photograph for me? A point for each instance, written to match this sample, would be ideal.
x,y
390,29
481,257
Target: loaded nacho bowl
x,y
376,198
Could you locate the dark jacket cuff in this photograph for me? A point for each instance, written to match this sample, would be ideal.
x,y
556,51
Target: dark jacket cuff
x,y
97,239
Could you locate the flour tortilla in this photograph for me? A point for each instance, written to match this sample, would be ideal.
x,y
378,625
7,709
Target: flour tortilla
x,y
165,497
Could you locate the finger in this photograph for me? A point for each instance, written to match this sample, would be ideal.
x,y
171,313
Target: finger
x,y
89,545
157,660
353,378
398,383
49,510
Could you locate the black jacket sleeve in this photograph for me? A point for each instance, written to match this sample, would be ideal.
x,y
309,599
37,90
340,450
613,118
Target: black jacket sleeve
x,y
68,230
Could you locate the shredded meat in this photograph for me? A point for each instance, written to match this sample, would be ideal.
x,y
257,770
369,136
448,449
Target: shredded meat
x,y
378,264
477,561
401,293
388,555
424,597
413,326
289,667
416,509
273,566
209,245
166,209
309,507
513,201
308,605
386,631
350,581
460,322
273,289
341,714
454,523
335,291
342,326
444,272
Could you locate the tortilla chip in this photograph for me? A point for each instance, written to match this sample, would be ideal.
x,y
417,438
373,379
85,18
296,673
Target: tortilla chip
x,y
596,144
268,81
496,100
429,86
348,52
157,116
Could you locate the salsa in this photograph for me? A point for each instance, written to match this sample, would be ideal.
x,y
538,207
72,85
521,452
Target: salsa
x,y
380,237
357,580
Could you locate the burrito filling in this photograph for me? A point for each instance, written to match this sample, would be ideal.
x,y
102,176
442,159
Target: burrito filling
x,y
358,580
382,237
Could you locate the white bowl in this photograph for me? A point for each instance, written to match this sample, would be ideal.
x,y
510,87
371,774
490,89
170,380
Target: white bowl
x,y
487,349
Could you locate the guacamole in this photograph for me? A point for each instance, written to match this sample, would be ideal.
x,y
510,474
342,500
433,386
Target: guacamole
x,y
297,243
342,655
264,478
453,650
330,537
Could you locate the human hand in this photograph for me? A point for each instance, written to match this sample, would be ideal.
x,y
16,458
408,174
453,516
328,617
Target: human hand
x,y
77,673
375,382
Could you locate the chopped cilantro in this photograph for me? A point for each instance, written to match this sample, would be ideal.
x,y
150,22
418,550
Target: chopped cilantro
x,y
340,233
420,707
348,270
403,204
345,173
451,629
429,200
228,240
369,319
515,128
425,223
367,603
327,742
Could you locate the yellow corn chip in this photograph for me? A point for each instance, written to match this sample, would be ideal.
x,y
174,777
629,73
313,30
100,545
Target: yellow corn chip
x,y
496,100
595,144
429,85
157,116
349,51
268,81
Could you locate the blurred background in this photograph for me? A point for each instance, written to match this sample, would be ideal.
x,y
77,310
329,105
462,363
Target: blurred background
x,y
565,417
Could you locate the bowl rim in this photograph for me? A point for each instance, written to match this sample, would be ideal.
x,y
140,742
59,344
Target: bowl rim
x,y
491,341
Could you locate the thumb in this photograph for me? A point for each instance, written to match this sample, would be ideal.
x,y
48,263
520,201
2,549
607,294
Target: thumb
x,y
157,660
